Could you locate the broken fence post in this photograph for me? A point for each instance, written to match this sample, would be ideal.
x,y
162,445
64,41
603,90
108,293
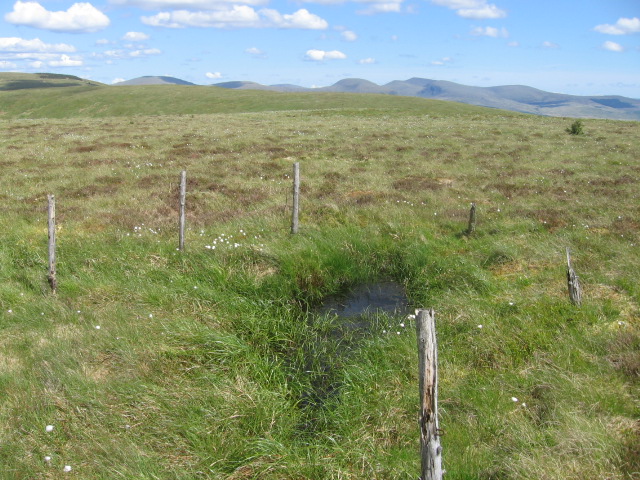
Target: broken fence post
x,y
183,200
472,220
296,197
573,284
430,449
53,281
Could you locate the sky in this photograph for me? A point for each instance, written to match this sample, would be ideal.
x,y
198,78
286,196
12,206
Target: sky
x,y
580,47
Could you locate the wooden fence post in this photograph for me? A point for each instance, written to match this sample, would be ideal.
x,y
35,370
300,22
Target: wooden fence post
x,y
183,201
430,449
296,197
53,281
575,291
472,220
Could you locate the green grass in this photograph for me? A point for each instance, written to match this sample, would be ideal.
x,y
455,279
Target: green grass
x,y
208,364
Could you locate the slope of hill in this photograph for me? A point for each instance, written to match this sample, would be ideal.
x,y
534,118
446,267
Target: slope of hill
x,y
184,99
154,80
21,81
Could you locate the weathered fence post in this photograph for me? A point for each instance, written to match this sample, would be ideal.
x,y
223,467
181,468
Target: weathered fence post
x,y
472,220
183,201
575,291
296,197
430,449
53,281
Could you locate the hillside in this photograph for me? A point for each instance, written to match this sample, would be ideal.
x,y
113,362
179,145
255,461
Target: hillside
x,y
153,80
229,360
513,98
130,100
20,81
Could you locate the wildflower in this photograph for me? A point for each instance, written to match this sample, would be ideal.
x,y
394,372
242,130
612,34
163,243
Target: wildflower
x,y
480,326
48,428
97,327
514,399
67,468
47,459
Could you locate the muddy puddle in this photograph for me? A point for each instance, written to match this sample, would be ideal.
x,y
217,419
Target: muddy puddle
x,y
340,325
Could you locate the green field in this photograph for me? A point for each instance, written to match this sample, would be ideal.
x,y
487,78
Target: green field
x,y
206,363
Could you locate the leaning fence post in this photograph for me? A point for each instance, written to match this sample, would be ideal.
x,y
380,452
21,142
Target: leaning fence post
x,y
575,291
53,281
430,449
296,197
472,220
183,200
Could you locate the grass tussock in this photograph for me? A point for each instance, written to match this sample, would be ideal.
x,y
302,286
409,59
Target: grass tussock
x,y
151,363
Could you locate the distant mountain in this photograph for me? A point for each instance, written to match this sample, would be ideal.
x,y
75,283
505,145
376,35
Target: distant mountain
x,y
517,98
150,80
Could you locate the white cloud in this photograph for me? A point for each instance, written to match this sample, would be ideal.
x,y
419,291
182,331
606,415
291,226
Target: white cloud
x,y
478,9
36,64
256,52
132,53
103,41
349,36
65,61
623,26
15,44
443,61
302,19
513,44
214,75
613,46
5,65
321,55
548,44
490,32
239,16
117,80
380,6
367,61
79,18
135,37
184,4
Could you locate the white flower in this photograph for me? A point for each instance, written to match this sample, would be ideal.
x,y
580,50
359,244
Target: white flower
x,y
479,326
47,458
514,399
67,468
97,327
402,325
48,428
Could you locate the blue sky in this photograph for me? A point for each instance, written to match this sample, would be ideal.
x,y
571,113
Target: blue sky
x,y
582,47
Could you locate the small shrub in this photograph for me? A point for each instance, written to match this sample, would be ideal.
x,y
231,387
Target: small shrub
x,y
576,128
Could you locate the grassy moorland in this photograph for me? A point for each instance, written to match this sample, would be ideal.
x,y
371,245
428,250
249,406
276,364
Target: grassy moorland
x,y
155,364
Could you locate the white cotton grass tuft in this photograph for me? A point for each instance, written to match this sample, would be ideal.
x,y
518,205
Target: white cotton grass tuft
x,y
48,428
67,468
514,399
47,458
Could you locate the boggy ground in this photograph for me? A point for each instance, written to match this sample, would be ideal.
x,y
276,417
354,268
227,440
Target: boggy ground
x,y
200,364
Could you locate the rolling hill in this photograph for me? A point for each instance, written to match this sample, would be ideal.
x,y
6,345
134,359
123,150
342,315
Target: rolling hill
x,y
154,80
105,100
